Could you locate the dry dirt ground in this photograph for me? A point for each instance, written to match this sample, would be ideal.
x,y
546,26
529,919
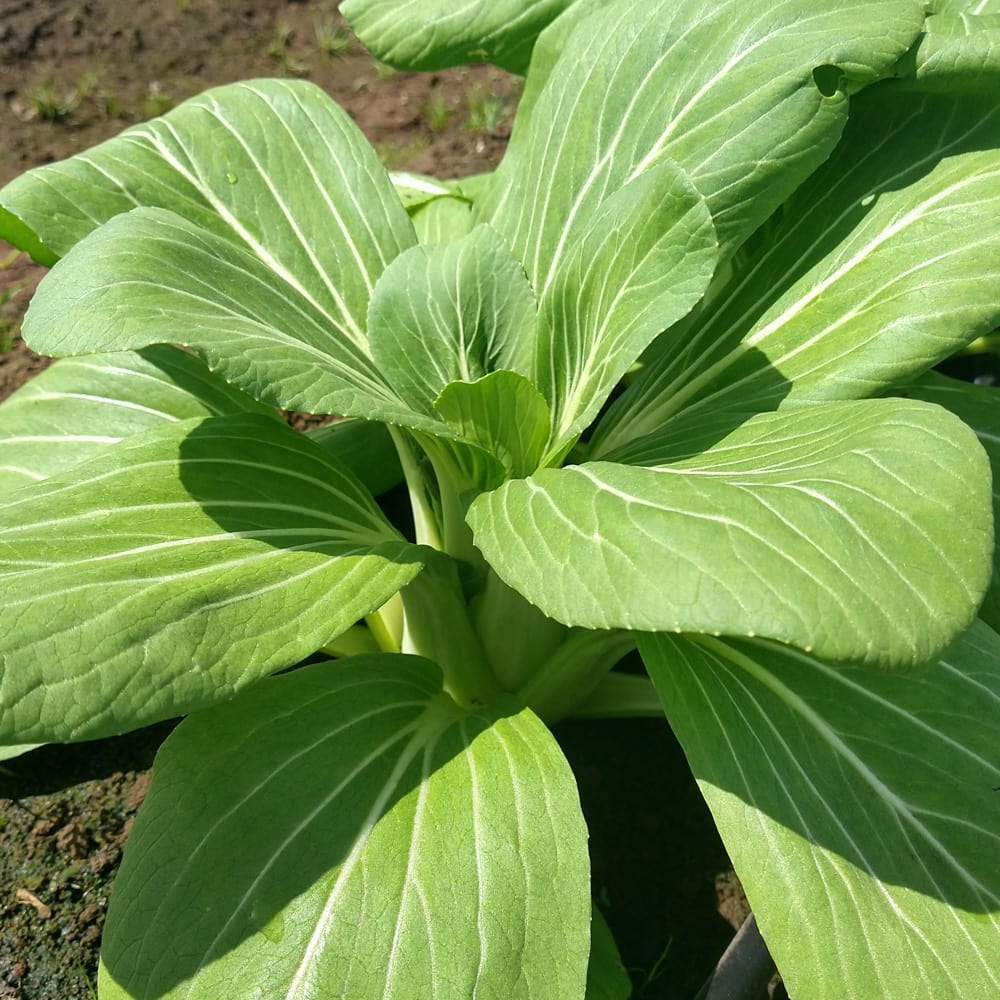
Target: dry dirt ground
x,y
73,72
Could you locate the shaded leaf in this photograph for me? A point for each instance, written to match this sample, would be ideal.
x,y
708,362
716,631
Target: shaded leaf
x,y
176,567
857,807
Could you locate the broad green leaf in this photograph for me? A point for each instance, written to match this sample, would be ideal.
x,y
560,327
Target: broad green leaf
x,y
545,55
640,265
9,752
365,447
433,34
859,809
956,51
860,530
80,406
390,845
275,166
886,261
151,276
965,6
176,567
606,976
979,407
450,313
748,99
502,413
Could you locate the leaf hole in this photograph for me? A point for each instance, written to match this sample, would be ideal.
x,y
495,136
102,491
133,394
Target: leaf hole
x,y
829,79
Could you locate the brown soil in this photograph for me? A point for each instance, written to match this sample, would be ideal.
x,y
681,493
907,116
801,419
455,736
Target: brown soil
x,y
74,72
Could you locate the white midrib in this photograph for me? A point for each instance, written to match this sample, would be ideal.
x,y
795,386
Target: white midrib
x,y
420,740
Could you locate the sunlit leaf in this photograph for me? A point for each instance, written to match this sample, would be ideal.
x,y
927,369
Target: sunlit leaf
x,y
860,530
858,808
175,568
80,406
389,845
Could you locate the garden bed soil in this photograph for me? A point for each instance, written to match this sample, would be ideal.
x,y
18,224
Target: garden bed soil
x,y
73,73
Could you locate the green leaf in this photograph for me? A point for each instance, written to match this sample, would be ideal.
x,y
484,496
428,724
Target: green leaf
x,y
150,276
502,413
885,262
956,51
965,6
859,809
9,752
275,166
727,90
861,530
644,260
440,220
80,406
606,976
979,407
390,845
450,313
433,34
176,567
365,447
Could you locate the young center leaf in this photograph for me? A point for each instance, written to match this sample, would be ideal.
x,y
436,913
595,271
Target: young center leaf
x,y
859,809
390,844
176,567
502,413
450,313
860,530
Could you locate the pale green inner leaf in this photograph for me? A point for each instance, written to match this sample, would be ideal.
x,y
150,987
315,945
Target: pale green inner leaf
x,y
390,845
450,313
504,414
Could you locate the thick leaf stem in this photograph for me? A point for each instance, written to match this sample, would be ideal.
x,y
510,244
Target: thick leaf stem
x,y
437,625
386,625
426,527
621,696
573,671
517,637
355,641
